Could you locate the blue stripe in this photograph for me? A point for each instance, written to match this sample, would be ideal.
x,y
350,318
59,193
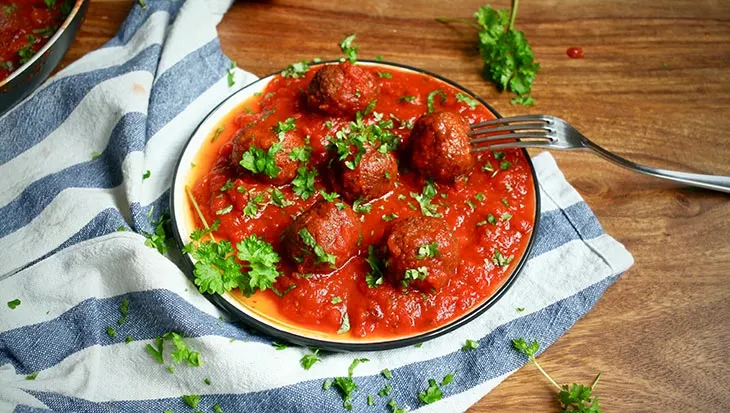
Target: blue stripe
x,y
493,358
138,16
181,84
44,112
85,325
103,172
27,409
105,310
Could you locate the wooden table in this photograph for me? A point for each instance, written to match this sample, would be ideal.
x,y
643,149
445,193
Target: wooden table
x,y
654,86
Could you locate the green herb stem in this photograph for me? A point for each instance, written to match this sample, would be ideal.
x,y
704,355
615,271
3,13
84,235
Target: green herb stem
x,y
544,373
513,14
200,213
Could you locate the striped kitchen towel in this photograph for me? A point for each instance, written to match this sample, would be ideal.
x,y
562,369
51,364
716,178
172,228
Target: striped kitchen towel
x,y
72,160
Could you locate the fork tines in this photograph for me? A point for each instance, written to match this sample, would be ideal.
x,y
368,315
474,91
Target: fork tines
x,y
515,132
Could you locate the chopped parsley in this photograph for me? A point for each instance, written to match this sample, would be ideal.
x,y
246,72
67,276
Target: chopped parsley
x,y
329,196
217,408
261,263
505,202
385,75
358,207
279,199
14,304
469,345
200,233
10,9
191,400
487,167
308,360
111,332
279,346
385,391
217,133
146,174
27,51
228,185
520,309
432,394
498,155
394,407
156,350
464,98
349,49
128,340
357,134
282,127
32,376
431,97
480,197
296,70
336,300
301,154
428,251
390,217
470,204
522,100
252,207
413,274
320,254
374,278
504,165
182,353
424,200
491,219
447,379
346,385
500,260
387,374
262,161
506,216
158,239
303,184
407,98
231,74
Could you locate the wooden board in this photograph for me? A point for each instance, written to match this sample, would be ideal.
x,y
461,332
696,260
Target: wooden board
x,y
654,86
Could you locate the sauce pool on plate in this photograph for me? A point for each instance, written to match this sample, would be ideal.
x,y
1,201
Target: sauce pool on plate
x,y
384,228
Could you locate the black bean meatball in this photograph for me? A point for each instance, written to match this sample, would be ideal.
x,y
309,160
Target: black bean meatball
x,y
254,141
421,252
372,177
341,89
439,146
322,238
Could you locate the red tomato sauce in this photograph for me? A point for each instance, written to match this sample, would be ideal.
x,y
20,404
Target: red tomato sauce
x,y
386,311
25,26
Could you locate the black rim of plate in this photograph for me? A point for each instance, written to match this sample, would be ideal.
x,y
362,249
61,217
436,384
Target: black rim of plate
x,y
293,338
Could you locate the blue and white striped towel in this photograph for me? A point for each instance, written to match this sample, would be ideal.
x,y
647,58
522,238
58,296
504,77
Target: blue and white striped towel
x,y
135,102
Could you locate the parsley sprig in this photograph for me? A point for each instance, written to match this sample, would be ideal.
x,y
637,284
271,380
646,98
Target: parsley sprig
x,y
508,58
357,134
260,161
424,200
575,398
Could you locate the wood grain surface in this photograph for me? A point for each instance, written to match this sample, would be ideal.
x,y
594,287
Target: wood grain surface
x,y
654,86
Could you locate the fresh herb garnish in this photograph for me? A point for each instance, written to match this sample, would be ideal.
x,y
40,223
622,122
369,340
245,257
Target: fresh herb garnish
x,y
303,184
329,196
158,239
296,70
500,260
387,374
349,49
327,384
279,346
424,200
385,75
182,353
252,206
408,98
344,324
413,274
259,161
191,400
301,154
522,100
308,360
231,73
428,251
390,217
146,174
385,391
13,304
320,254
358,207
447,379
504,165
279,199
508,58
111,332
217,133
432,394
469,345
506,216
225,210
32,376
431,97
374,278
464,98
27,51
346,385
576,398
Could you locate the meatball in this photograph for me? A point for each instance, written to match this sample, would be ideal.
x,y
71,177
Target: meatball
x,y
322,238
421,252
374,175
439,146
341,89
257,140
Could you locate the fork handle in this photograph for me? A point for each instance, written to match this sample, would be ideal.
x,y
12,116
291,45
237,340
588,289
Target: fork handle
x,y
714,182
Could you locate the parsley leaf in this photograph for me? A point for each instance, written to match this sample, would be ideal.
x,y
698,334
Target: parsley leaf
x,y
261,259
413,274
158,239
349,49
387,374
259,161
296,70
252,206
522,100
346,385
301,154
500,260
469,345
385,75
432,393
358,207
231,73
430,99
319,252
156,352
424,200
182,353
464,98
303,184
345,326
428,251
14,304
191,400
374,278
279,346
216,269
308,360
279,199
32,376
385,391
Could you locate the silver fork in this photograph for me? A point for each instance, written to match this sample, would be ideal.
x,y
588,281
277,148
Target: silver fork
x,y
550,132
